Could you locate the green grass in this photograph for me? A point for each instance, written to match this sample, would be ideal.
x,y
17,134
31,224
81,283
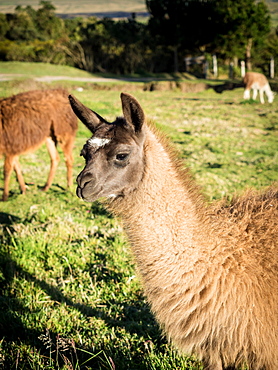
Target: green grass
x,y
70,298
41,69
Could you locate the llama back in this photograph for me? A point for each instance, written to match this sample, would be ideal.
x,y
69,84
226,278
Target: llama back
x,y
231,292
64,120
247,232
248,227
254,79
254,213
26,119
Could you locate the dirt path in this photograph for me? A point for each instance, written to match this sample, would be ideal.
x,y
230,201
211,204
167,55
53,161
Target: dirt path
x,y
150,83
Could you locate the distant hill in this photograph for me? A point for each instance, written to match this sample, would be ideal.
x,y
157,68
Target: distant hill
x,y
273,7
104,8
70,8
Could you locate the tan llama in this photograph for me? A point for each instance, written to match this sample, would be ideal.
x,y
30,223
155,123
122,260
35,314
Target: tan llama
x,y
257,82
210,273
28,120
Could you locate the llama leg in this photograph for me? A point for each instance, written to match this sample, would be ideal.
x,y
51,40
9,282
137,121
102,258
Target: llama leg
x,y
246,94
8,169
54,156
67,150
19,175
262,96
255,92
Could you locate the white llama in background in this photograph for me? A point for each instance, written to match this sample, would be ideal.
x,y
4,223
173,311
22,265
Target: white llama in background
x,y
257,81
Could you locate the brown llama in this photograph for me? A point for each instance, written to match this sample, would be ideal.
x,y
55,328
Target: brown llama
x,y
257,82
210,273
29,119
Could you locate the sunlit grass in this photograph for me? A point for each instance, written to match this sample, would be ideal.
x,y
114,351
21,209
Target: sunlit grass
x,y
41,69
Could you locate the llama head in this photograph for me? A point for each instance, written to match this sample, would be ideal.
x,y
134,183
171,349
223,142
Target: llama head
x,y
270,96
114,154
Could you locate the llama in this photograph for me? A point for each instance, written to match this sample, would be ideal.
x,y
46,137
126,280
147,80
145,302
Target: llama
x,y
29,119
208,272
257,81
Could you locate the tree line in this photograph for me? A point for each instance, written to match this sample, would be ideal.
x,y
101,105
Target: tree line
x,y
231,29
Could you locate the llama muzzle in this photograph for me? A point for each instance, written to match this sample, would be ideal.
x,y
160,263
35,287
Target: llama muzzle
x,y
85,185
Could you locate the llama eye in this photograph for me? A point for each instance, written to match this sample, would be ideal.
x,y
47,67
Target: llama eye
x,y
121,156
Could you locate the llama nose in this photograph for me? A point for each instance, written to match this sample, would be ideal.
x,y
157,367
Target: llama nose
x,y
83,178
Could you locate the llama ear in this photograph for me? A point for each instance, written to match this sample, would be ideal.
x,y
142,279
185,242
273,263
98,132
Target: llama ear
x,y
133,113
91,119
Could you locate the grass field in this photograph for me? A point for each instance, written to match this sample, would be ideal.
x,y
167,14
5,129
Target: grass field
x,y
70,297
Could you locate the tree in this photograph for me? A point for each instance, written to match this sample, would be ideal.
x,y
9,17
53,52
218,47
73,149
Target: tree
x,y
241,25
229,27
180,24
268,50
106,45
4,26
21,25
48,24
27,24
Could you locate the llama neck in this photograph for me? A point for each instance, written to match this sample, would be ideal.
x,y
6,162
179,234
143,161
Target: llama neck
x,y
161,217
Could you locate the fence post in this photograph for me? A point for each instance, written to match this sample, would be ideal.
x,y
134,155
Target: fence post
x,y
186,64
231,70
242,68
205,69
214,61
271,67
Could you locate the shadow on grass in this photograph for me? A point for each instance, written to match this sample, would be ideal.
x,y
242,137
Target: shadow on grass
x,y
135,317
55,189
